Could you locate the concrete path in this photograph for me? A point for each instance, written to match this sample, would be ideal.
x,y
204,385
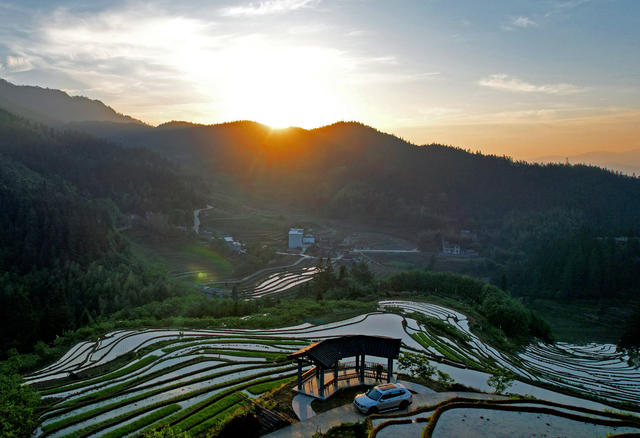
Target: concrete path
x,y
301,404
196,218
416,387
349,414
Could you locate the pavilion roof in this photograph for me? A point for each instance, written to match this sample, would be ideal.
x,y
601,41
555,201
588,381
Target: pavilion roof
x,y
329,351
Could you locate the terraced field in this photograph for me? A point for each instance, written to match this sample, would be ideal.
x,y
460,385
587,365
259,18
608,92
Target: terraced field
x,y
275,280
193,379
598,370
511,417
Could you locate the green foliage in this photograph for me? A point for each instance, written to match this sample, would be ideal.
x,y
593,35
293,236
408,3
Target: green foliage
x,y
583,263
198,311
498,307
505,313
243,425
62,263
19,404
268,386
142,422
440,327
630,339
500,380
357,282
126,370
345,430
417,365
210,411
247,353
445,379
166,432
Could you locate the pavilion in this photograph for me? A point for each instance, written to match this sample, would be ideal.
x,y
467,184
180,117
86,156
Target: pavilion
x,y
328,374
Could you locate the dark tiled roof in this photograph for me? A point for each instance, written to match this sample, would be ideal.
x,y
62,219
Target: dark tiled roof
x,y
329,351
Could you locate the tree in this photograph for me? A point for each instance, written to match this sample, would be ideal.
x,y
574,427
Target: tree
x,y
630,340
444,379
417,365
500,380
234,292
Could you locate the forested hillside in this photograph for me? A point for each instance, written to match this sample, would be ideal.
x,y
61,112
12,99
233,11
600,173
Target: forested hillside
x,y
350,170
546,229
62,263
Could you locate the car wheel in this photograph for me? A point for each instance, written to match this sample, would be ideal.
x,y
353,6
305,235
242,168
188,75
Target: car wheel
x,y
404,404
372,410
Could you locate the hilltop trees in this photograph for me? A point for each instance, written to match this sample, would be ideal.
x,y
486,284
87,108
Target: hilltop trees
x,y
498,307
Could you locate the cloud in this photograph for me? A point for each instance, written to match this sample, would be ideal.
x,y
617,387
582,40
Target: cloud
x,y
504,82
519,22
570,4
17,64
159,64
524,22
357,33
267,7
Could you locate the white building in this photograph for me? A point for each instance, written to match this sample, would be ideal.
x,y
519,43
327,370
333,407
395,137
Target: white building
x,y
295,238
308,239
450,248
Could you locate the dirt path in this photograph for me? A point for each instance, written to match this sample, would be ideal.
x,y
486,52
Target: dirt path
x,y
196,218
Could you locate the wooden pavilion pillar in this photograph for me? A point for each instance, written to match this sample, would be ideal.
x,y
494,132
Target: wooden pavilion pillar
x,y
335,374
321,384
389,369
362,366
357,363
299,374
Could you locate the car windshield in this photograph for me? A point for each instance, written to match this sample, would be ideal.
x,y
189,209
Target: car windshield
x,y
374,394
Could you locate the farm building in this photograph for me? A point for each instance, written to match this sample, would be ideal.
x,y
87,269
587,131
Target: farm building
x,y
295,238
450,248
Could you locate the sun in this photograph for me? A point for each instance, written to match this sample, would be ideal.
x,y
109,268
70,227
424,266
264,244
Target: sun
x,y
281,86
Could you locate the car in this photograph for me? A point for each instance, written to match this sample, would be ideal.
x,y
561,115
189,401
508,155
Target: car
x,y
383,398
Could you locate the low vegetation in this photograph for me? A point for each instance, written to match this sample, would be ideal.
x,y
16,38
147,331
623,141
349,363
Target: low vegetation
x,y
496,306
19,404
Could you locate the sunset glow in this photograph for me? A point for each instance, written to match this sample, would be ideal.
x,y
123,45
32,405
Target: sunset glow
x,y
466,74
281,87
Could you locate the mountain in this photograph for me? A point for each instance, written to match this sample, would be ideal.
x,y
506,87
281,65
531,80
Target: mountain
x,y
62,262
55,107
543,228
547,230
627,162
349,170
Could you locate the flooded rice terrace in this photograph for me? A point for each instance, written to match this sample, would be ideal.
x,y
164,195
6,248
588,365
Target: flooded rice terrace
x,y
176,373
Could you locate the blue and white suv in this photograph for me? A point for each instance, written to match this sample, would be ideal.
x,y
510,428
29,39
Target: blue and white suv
x,y
383,398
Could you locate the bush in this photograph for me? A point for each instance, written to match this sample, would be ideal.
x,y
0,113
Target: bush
x,y
19,404
246,426
345,430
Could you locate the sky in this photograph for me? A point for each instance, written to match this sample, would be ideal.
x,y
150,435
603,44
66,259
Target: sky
x,y
524,78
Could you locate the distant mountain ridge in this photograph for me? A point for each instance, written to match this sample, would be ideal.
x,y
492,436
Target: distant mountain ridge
x,y
627,162
351,170
55,107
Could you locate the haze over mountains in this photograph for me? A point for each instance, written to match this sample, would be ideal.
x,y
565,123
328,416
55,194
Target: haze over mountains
x,y
55,107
